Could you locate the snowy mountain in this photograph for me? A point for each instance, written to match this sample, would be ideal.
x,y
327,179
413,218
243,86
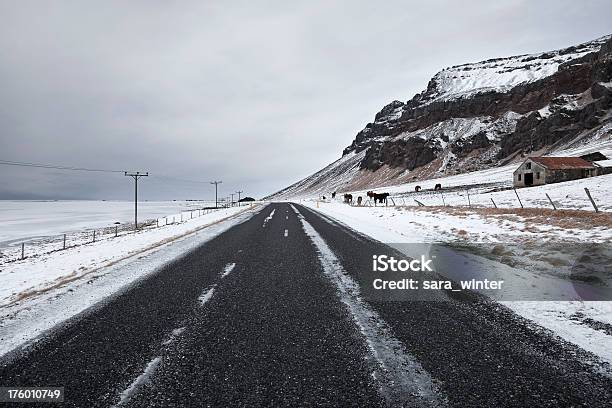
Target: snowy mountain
x,y
479,115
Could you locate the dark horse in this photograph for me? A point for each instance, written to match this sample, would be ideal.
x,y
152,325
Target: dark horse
x,y
334,194
378,197
438,187
348,198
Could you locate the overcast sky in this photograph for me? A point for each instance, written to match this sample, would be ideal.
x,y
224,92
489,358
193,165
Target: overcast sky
x,y
258,94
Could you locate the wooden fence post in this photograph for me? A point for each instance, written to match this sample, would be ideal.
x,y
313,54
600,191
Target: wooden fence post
x,y
94,236
517,196
494,205
443,202
116,230
22,250
588,193
64,242
551,202
468,196
419,203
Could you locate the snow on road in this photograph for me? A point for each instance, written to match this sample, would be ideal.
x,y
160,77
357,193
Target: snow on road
x,y
406,378
587,324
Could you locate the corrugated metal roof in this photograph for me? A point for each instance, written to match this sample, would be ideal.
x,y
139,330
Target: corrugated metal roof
x,y
561,163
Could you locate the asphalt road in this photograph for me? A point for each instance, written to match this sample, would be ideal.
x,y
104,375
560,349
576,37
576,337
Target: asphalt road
x,y
269,314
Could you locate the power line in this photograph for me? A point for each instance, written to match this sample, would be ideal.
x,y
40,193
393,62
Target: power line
x,y
179,179
74,168
56,167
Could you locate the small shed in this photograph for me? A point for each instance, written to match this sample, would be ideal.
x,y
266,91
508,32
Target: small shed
x,y
536,171
605,166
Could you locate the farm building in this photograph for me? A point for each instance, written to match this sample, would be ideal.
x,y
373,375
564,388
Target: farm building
x,y
536,171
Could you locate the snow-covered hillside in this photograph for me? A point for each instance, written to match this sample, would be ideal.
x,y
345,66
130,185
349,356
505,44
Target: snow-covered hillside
x,y
502,74
479,116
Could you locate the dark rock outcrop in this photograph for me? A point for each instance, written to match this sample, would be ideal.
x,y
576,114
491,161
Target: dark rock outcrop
x,y
578,97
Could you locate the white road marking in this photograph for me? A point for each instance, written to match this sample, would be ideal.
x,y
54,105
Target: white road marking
x,y
402,377
175,333
286,233
207,294
228,268
268,218
129,392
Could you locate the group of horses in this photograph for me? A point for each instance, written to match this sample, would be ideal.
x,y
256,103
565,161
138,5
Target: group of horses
x,y
377,197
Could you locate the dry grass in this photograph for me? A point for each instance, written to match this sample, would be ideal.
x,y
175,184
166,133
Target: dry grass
x,y
566,219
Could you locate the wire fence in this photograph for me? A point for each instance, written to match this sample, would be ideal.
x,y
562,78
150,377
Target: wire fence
x,y
575,197
49,244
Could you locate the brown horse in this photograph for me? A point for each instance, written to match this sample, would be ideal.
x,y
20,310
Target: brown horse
x,y
348,198
378,197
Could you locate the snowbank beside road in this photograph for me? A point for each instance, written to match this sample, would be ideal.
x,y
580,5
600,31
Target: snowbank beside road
x,y
586,324
34,221
38,293
25,278
476,225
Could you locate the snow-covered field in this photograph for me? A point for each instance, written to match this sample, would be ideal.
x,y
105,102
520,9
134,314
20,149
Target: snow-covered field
x,y
583,323
22,220
41,291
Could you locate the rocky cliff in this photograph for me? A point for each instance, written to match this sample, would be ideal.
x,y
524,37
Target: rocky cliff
x,y
480,115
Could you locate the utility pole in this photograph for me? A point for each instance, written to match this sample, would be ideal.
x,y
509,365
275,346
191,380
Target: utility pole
x,y
239,192
232,202
136,176
216,183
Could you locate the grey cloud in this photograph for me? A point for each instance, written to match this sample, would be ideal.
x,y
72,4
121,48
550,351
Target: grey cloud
x,y
258,94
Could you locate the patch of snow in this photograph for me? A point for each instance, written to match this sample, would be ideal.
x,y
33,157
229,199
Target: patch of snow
x,y
560,318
